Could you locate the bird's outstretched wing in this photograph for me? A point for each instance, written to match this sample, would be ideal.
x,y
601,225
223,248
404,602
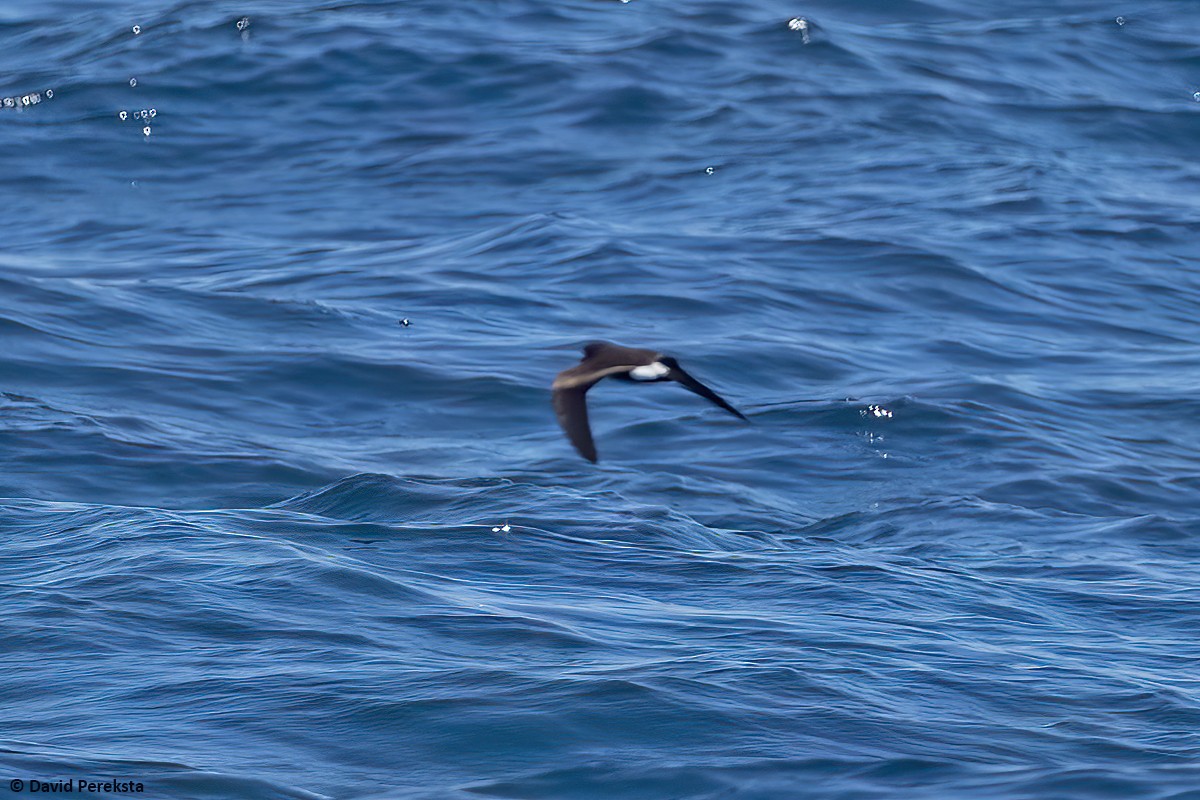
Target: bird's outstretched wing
x,y
569,394
571,407
691,384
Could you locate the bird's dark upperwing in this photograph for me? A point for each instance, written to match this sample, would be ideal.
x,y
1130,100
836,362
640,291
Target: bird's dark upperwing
x,y
571,407
602,355
569,395
691,384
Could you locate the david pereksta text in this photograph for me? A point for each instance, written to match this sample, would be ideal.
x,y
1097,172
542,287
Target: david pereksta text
x,y
77,785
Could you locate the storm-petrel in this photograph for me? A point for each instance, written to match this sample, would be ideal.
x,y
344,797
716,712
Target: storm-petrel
x,y
601,359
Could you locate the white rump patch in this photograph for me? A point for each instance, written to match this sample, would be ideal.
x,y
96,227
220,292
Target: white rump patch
x,y
649,372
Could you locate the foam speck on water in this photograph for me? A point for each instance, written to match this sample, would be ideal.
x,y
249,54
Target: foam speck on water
x,y
877,411
800,25
21,102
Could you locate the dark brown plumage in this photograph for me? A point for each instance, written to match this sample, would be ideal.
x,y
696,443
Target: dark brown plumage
x,y
601,359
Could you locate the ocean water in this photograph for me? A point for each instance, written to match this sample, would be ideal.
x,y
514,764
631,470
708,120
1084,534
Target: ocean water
x,y
260,540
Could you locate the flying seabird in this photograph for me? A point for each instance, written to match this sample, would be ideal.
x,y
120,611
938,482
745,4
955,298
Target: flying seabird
x,y
601,359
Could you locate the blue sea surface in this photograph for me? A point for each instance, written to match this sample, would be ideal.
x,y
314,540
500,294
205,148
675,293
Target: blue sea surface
x,y
260,540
